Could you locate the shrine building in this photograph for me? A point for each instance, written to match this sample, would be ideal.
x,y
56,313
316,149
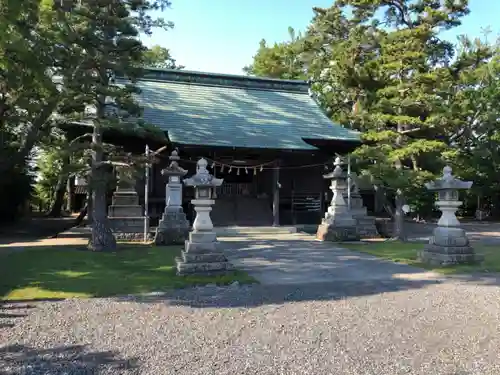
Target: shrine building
x,y
267,138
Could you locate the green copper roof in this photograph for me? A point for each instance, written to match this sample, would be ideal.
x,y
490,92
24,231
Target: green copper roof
x,y
236,111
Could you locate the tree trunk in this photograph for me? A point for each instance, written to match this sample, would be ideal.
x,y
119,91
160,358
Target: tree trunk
x,y
58,202
90,206
102,238
70,189
81,216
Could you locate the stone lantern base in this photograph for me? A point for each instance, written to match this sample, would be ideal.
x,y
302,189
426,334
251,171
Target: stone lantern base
x,y
173,228
449,246
365,224
126,216
338,230
201,255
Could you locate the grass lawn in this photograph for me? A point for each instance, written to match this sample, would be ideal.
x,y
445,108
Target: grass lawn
x,y
407,253
72,271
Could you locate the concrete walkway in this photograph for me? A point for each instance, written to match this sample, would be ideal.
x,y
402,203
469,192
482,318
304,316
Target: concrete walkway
x,y
293,258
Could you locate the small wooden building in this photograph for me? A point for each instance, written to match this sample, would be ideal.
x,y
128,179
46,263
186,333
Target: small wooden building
x,y
268,139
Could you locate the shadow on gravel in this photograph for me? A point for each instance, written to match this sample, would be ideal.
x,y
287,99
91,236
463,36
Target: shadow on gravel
x,y
259,295
20,359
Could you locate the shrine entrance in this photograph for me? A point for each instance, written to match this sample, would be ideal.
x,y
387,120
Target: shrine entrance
x,y
242,199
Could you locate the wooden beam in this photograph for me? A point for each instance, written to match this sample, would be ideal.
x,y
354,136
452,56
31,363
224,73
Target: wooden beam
x,y
276,195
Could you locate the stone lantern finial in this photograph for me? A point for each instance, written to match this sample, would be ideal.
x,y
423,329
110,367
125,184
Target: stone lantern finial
x,y
337,171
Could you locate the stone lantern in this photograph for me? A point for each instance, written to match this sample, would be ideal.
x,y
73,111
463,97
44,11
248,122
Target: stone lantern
x,y
173,227
201,253
449,243
338,223
126,215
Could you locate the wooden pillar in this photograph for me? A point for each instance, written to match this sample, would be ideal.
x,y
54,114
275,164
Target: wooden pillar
x,y
276,195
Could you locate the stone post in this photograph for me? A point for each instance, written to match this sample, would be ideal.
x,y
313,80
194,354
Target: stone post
x,y
449,243
338,223
173,227
201,253
365,224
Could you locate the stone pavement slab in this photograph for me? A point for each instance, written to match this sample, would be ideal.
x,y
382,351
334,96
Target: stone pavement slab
x,y
280,259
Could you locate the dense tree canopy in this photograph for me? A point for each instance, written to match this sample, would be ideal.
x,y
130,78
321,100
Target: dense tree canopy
x,y
67,62
381,67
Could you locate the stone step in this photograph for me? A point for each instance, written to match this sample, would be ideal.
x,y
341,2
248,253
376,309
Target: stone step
x,y
125,211
203,257
125,200
237,230
184,268
127,224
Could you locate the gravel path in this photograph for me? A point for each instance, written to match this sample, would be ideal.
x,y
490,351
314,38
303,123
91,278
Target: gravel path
x,y
381,327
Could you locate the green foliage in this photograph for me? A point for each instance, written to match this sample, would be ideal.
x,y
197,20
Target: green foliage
x,y
100,75
159,57
279,61
475,106
381,67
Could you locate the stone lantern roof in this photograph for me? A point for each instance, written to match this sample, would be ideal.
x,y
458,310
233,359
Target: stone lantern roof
x,y
174,169
203,177
448,182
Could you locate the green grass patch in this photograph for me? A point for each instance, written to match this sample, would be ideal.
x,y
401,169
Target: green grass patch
x,y
405,252
72,271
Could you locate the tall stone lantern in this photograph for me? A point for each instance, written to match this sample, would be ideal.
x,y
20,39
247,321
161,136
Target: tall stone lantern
x,y
201,253
173,227
338,223
449,243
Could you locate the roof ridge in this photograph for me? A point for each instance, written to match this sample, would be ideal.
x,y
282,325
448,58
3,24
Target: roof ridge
x,y
225,80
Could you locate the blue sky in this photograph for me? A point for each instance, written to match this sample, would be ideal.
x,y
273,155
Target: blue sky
x,y
222,35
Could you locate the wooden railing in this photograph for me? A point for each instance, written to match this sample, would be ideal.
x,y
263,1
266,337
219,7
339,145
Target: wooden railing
x,y
234,190
302,207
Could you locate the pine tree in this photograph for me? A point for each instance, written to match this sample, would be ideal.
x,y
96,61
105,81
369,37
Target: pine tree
x,y
474,107
100,40
282,60
382,68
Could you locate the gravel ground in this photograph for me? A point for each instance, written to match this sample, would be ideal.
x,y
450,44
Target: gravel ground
x,y
450,328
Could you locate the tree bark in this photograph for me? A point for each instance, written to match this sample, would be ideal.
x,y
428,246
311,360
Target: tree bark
x,y
90,206
70,189
102,238
58,202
